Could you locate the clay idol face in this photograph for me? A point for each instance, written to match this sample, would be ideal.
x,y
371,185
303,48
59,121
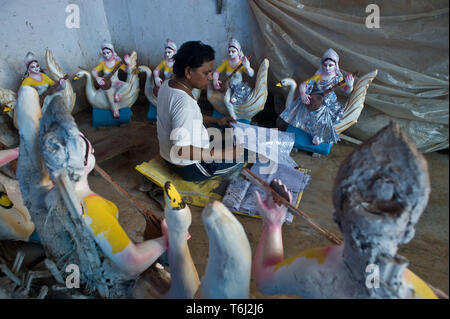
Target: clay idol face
x,y
107,53
329,67
168,53
34,67
232,52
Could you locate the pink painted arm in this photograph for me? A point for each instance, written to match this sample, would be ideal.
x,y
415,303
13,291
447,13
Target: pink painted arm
x,y
7,156
158,80
306,98
270,250
94,72
136,258
216,82
99,79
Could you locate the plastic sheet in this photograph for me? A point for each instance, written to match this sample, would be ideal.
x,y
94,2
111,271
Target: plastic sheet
x,y
318,123
409,49
270,144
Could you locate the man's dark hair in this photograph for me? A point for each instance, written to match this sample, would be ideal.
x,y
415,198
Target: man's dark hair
x,y
192,54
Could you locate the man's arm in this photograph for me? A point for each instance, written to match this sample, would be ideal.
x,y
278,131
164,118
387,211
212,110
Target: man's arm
x,y
205,154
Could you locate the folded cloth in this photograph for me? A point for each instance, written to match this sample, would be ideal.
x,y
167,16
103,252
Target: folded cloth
x,y
269,144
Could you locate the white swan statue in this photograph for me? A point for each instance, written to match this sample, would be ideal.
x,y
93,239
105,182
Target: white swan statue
x,y
254,104
353,106
228,271
8,98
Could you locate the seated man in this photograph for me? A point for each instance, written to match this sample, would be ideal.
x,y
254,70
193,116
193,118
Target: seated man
x,y
183,139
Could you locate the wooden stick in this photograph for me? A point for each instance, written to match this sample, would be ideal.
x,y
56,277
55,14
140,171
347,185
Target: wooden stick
x,y
281,200
153,223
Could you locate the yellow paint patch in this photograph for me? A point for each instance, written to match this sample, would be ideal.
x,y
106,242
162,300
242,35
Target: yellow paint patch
x,y
103,216
175,200
421,289
320,254
5,202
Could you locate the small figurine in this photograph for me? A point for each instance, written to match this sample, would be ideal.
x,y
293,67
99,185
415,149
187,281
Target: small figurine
x,y
317,109
112,102
153,79
240,90
379,194
37,79
166,65
109,81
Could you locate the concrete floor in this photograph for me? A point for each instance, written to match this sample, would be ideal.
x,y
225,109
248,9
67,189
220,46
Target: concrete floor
x,y
427,252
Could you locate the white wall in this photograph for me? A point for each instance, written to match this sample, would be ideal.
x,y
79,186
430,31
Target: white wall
x,y
141,25
147,24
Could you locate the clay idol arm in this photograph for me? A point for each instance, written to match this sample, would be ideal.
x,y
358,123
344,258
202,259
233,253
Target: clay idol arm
x,y
270,250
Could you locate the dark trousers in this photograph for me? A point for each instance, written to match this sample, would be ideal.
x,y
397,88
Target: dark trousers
x,y
202,171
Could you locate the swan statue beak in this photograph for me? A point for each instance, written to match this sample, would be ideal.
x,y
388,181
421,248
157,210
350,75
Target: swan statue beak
x,y
279,84
172,197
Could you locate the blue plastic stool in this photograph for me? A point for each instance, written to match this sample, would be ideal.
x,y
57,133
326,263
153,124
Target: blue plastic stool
x,y
303,141
218,115
104,117
151,114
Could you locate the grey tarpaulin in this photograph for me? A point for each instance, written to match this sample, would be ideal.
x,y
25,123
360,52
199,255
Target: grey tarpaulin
x,y
409,49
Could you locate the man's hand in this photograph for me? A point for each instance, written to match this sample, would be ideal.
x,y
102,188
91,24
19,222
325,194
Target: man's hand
x,y
225,121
